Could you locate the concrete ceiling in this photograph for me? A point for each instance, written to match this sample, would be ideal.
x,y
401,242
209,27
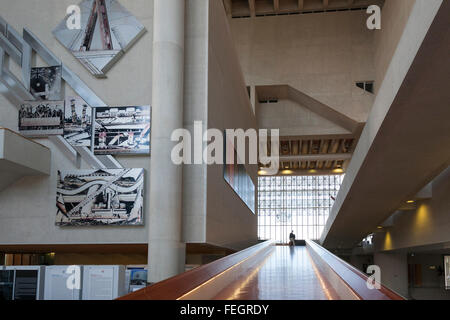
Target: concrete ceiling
x,y
318,154
406,143
255,8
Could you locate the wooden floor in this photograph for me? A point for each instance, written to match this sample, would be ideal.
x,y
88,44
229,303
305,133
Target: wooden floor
x,y
288,273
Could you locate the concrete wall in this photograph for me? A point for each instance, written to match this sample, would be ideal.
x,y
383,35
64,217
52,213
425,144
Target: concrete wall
x,y
428,224
214,93
294,120
394,17
322,55
394,271
27,208
433,283
229,222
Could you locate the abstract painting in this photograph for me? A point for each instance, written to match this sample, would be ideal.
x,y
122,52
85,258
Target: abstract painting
x,y
235,174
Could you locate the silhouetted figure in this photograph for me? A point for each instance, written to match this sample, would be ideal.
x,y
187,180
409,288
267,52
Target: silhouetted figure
x,y
292,239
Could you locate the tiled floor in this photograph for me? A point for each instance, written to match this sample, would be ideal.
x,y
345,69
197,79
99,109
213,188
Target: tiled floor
x,y
288,273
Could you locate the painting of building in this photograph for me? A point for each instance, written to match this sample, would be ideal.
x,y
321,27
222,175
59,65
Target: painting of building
x,y
100,197
41,118
122,130
107,31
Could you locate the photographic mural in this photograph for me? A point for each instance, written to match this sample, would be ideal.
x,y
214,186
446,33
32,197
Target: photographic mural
x,y
41,118
45,83
122,130
77,122
100,197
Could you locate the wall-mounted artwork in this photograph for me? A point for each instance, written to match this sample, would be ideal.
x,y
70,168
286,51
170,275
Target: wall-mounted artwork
x,y
237,177
77,122
100,197
41,118
122,130
107,31
45,83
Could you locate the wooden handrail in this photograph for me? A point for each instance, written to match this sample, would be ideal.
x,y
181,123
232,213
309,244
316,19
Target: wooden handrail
x,y
178,286
355,279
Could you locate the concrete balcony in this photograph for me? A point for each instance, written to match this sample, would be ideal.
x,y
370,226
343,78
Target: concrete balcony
x,y
20,157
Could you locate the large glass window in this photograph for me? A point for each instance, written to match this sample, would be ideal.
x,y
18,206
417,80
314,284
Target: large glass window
x,y
299,203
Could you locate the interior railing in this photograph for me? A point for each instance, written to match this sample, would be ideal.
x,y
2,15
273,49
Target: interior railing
x,y
349,282
205,282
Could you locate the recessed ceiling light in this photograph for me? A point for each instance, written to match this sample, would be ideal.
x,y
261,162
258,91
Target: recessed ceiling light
x,y
410,201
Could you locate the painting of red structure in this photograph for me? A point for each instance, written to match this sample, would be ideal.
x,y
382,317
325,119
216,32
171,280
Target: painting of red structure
x,y
107,31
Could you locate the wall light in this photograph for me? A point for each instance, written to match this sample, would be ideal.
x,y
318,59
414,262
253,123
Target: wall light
x,y
410,201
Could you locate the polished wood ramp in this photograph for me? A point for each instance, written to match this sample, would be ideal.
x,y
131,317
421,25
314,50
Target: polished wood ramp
x,y
269,272
288,273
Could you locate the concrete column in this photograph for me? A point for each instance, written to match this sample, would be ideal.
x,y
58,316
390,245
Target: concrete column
x,y
166,252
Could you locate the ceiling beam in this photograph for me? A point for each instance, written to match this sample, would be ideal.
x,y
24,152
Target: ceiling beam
x,y
317,157
300,4
252,6
325,3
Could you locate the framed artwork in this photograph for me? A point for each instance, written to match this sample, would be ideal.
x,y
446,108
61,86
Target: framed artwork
x,y
77,122
45,83
100,197
107,31
237,177
41,118
122,130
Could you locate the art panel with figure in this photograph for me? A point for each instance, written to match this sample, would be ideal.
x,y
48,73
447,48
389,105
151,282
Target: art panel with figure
x,y
41,118
122,130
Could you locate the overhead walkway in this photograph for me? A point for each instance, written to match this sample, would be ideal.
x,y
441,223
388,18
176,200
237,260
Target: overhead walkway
x,y
269,272
20,157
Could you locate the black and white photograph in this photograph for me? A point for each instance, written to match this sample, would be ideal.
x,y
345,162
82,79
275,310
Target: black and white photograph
x,y
107,31
41,118
77,122
45,83
122,130
100,197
